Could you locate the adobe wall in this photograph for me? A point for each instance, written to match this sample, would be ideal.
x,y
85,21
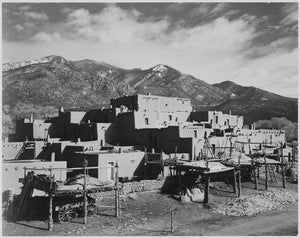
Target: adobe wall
x,y
11,149
15,171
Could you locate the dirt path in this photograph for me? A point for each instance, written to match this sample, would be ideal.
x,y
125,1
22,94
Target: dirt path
x,y
149,215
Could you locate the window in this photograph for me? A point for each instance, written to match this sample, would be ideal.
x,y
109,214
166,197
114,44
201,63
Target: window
x,y
170,117
195,133
217,119
147,121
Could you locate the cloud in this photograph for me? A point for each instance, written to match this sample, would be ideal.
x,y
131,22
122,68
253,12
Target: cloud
x,y
210,10
18,27
290,11
220,34
36,16
24,8
46,37
113,24
216,49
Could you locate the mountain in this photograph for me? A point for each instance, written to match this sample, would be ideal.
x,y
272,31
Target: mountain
x,y
56,81
256,104
42,86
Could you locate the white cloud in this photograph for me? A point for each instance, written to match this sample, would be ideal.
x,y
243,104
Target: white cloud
x,y
220,34
18,27
113,24
36,16
46,37
214,51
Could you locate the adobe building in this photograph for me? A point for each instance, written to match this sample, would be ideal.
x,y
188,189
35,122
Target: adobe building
x,y
218,120
150,122
152,112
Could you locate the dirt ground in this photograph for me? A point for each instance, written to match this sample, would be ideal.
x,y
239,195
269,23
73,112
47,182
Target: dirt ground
x,y
148,214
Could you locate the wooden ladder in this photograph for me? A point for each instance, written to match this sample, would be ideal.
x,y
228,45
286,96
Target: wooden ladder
x,y
26,193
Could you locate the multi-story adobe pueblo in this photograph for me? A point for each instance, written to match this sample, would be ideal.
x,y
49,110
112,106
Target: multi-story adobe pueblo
x,y
123,131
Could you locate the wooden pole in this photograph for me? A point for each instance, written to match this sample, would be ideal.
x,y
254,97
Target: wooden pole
x,y
162,164
85,163
145,164
249,142
239,183
206,191
117,194
234,182
293,156
266,172
172,226
282,167
254,174
230,150
283,175
50,221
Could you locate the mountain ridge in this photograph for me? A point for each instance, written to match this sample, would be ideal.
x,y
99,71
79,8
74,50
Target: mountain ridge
x,y
53,81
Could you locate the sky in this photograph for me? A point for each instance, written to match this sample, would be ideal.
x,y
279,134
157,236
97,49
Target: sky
x,y
251,44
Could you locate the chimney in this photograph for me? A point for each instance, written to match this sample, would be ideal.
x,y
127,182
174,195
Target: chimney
x,y
62,109
230,112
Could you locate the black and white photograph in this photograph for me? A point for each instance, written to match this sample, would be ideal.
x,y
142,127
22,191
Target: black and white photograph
x,y
149,118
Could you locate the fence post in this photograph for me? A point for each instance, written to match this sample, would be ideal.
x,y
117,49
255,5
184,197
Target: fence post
x,y
145,163
85,163
162,164
266,172
117,195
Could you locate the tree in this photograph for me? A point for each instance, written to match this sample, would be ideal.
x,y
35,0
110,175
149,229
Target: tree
x,y
280,123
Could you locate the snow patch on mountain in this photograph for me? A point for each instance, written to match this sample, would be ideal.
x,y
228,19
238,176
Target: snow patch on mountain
x,y
15,65
160,70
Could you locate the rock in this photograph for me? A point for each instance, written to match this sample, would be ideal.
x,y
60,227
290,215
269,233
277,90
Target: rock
x,y
132,196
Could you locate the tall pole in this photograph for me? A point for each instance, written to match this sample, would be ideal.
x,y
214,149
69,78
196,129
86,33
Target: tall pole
x,y
172,225
266,172
85,163
145,163
230,150
117,195
50,221
162,164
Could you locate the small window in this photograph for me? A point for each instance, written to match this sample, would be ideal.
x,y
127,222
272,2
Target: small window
x,y
147,121
195,133
217,119
170,117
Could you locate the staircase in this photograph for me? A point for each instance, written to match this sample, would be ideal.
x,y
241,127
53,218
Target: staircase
x,y
27,149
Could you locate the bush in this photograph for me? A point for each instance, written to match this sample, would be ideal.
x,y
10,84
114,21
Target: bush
x,y
280,123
